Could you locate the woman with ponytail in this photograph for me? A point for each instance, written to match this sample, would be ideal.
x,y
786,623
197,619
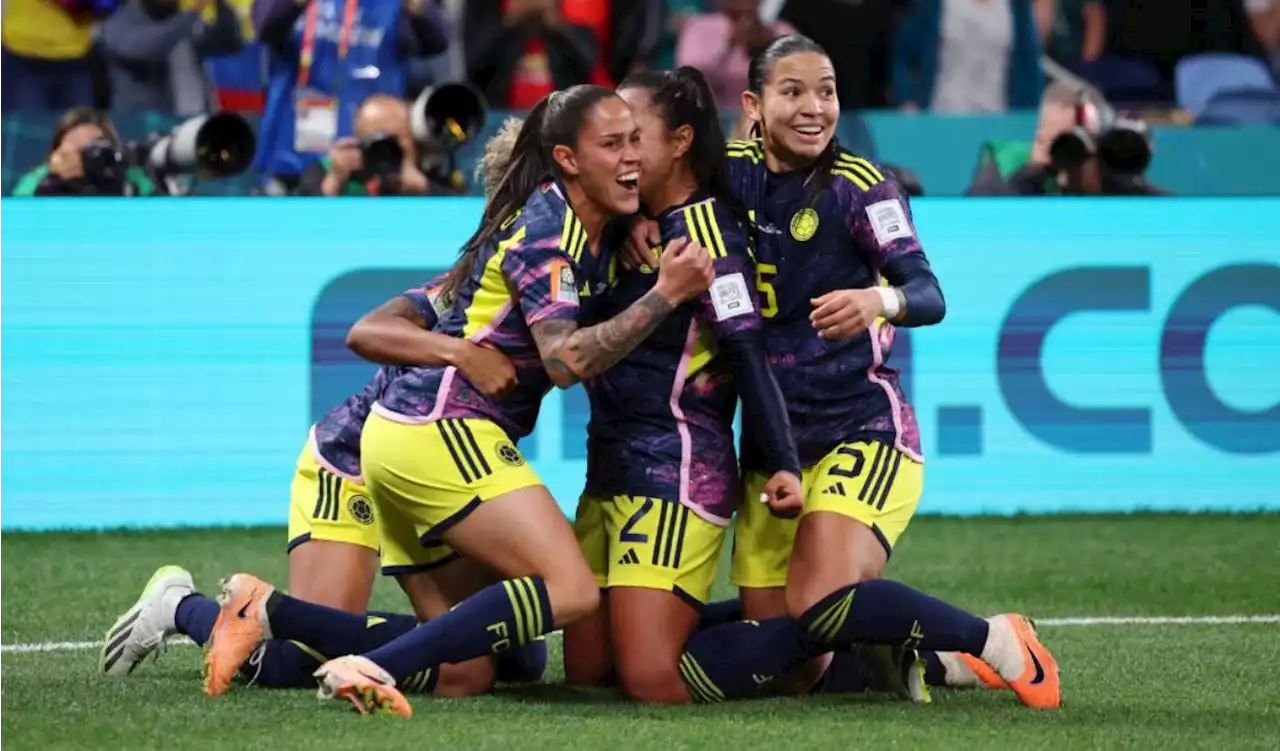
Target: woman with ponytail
x,y
439,456
662,478
840,266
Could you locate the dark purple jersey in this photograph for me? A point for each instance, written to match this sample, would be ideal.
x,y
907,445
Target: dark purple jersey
x,y
662,417
336,437
529,271
808,245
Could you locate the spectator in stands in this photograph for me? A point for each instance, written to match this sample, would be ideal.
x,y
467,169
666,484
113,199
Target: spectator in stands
x,y
1264,17
85,160
518,51
1145,41
967,56
155,54
1077,30
637,33
678,12
721,46
328,56
857,35
343,171
44,63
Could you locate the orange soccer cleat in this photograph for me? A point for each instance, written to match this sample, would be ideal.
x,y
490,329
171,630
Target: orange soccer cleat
x,y
241,624
362,682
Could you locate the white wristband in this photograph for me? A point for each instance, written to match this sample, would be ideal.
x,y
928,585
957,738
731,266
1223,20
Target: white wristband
x,y
892,303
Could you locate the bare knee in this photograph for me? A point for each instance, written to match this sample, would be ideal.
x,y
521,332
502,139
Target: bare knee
x,y
588,657
470,678
573,593
831,553
335,574
653,682
804,595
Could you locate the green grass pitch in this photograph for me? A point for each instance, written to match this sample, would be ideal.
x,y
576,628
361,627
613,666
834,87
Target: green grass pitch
x,y
1132,685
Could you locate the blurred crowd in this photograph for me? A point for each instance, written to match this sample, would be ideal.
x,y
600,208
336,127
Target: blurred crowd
x,y
306,66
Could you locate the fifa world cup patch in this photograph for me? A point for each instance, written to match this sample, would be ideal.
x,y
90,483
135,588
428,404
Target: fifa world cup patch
x,y
361,509
730,297
889,221
564,287
508,453
804,225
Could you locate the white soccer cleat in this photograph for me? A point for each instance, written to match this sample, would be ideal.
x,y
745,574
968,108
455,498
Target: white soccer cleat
x,y
142,629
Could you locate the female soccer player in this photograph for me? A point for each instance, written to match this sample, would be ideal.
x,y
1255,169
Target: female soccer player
x,y
441,454
662,472
832,227
333,535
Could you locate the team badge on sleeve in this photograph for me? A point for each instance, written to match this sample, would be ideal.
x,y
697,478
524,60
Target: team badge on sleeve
x,y
730,297
564,287
889,220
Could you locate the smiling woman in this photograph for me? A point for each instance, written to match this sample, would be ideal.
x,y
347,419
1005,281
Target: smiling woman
x,y
515,288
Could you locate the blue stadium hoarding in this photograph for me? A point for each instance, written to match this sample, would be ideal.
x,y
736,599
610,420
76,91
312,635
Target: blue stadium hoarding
x,y
163,359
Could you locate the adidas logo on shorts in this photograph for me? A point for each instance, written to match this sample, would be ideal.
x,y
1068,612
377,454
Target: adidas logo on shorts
x,y
629,557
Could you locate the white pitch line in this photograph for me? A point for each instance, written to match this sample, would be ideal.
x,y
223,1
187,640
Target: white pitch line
x,y
1198,620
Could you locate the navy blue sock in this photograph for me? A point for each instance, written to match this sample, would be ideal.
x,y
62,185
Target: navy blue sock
x,y
331,632
499,617
195,617
723,611
279,663
523,664
935,673
849,673
740,660
881,611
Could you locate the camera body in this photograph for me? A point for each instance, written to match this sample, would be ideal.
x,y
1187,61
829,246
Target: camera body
x,y
104,167
382,157
1121,144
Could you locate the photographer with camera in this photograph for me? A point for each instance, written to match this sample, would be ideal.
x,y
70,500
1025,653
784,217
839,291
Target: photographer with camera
x,y
86,158
1080,148
381,159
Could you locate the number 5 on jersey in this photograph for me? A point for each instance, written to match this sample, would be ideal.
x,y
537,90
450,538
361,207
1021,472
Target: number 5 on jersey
x,y
765,272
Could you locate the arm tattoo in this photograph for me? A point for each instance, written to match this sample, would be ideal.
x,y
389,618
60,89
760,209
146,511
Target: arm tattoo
x,y
400,307
571,354
550,337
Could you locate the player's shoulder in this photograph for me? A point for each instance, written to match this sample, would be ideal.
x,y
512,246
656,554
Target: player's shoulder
x,y
749,152
547,221
856,174
710,222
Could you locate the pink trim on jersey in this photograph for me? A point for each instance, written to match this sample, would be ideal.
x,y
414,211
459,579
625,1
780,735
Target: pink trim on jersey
x,y
682,427
707,516
497,320
323,462
436,411
895,406
442,394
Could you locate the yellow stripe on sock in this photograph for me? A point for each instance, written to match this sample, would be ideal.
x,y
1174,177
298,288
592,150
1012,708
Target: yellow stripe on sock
x,y
532,613
842,614
693,682
517,610
703,679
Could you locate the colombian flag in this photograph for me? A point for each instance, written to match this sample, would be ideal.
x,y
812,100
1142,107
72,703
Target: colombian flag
x,y
239,80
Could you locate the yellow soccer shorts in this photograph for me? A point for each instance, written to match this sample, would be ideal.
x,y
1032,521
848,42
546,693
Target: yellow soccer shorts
x,y
871,482
325,506
649,543
427,477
